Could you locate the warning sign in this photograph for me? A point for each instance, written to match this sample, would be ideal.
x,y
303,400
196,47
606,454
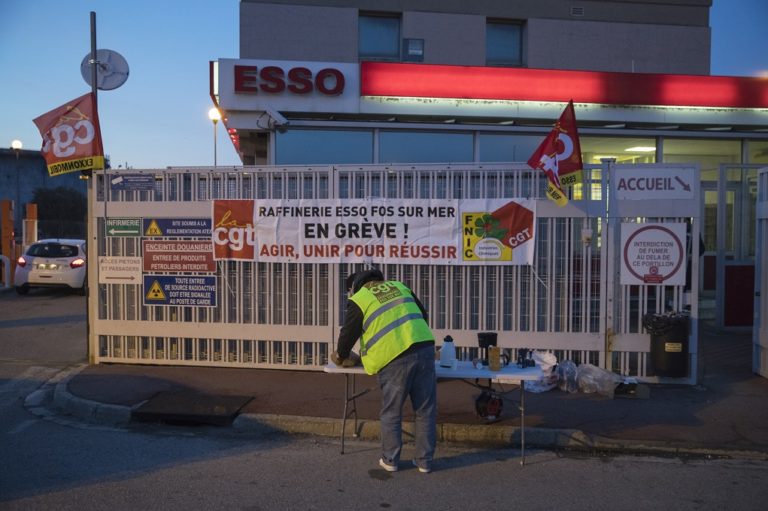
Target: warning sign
x,y
180,290
653,254
155,292
177,227
153,229
178,256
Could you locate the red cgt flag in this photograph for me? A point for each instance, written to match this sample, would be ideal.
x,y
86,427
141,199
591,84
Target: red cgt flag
x,y
72,137
559,156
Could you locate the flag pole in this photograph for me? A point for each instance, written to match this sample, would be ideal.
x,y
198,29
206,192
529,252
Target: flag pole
x,y
92,243
94,87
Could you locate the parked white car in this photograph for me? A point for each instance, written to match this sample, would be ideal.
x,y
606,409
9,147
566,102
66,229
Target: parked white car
x,y
52,263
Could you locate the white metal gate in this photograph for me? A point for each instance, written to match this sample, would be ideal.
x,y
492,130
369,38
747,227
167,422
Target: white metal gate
x,y
286,315
627,340
760,330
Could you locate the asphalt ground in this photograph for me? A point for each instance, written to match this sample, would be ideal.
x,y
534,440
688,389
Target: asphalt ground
x,y
724,415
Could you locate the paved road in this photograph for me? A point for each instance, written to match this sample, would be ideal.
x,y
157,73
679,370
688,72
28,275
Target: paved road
x,y
46,327
50,461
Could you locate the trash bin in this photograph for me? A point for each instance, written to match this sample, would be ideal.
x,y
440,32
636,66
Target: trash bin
x,y
669,343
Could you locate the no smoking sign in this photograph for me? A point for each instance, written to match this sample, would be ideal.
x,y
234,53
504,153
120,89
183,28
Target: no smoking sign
x,y
653,254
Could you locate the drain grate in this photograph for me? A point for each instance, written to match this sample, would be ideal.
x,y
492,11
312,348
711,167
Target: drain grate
x,y
190,408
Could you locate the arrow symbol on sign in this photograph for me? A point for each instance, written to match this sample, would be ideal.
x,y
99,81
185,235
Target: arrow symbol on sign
x,y
686,187
120,278
118,231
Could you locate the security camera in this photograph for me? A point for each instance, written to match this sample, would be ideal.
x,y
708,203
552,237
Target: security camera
x,y
277,118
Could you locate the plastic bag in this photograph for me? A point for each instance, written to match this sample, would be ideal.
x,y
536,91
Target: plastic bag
x,y
566,376
547,362
594,379
546,383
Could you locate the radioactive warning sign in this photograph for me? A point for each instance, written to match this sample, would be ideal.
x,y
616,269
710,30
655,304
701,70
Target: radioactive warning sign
x,y
155,292
180,290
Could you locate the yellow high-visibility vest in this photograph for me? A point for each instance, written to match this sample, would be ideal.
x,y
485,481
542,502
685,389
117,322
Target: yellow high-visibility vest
x,y
392,323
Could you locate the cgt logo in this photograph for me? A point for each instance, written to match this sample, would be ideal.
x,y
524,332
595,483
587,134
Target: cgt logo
x,y
62,136
234,236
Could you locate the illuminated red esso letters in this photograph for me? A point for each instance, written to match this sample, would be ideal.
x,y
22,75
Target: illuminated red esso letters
x,y
272,79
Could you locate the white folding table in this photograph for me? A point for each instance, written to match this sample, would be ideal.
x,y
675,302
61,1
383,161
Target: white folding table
x,y
511,374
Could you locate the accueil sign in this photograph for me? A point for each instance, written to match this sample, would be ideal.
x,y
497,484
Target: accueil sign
x,y
653,254
393,231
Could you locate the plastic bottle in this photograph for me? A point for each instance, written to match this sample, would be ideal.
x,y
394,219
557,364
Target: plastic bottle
x,y
447,352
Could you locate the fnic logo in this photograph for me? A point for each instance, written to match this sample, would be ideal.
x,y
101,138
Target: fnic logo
x,y
234,236
74,127
493,236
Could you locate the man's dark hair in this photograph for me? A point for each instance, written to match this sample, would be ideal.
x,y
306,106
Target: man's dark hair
x,y
357,280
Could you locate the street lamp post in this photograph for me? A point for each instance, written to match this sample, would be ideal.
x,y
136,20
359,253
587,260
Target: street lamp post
x,y
16,145
215,116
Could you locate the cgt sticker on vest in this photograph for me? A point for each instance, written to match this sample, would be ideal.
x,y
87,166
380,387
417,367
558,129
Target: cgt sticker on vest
x,y
191,291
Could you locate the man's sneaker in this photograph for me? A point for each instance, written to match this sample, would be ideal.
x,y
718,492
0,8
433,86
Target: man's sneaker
x,y
421,469
386,466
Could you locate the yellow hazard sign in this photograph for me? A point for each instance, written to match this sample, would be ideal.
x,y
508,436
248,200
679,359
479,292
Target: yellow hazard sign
x,y
155,292
153,229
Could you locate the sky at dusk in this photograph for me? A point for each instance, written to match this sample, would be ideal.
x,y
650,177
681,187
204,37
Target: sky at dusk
x,y
158,118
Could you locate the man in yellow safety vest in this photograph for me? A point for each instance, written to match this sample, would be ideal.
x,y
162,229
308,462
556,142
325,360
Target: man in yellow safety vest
x,y
397,346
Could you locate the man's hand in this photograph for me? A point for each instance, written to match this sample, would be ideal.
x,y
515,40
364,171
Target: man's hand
x,y
352,361
336,359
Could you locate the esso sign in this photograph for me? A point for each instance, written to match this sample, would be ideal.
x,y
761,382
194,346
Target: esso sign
x,y
298,80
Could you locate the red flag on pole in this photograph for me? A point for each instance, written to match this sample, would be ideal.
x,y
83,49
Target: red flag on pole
x,y
559,156
72,137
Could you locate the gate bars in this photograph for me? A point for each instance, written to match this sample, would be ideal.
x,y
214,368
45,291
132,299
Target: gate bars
x,y
287,315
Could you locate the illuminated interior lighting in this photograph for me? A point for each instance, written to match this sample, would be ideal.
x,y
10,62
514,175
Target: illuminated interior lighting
x,y
604,157
640,149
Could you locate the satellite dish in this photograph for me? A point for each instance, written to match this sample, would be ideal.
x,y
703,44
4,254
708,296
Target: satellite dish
x,y
111,69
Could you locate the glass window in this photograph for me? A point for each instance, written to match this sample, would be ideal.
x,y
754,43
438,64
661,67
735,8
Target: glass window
x,y
709,154
503,147
314,147
378,38
758,151
740,212
503,44
425,147
624,150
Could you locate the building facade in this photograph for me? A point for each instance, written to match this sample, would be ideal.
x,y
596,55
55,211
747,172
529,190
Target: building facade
x,y
393,82
24,172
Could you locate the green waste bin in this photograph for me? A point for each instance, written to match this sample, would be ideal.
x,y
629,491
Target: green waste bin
x,y
669,343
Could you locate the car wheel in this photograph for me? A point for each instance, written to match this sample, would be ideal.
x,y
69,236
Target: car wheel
x,y
81,290
22,290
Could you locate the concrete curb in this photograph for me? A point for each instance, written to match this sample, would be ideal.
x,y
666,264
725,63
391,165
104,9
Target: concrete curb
x,y
489,435
85,409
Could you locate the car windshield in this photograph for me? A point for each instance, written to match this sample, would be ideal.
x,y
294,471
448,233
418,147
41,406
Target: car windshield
x,y
52,250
